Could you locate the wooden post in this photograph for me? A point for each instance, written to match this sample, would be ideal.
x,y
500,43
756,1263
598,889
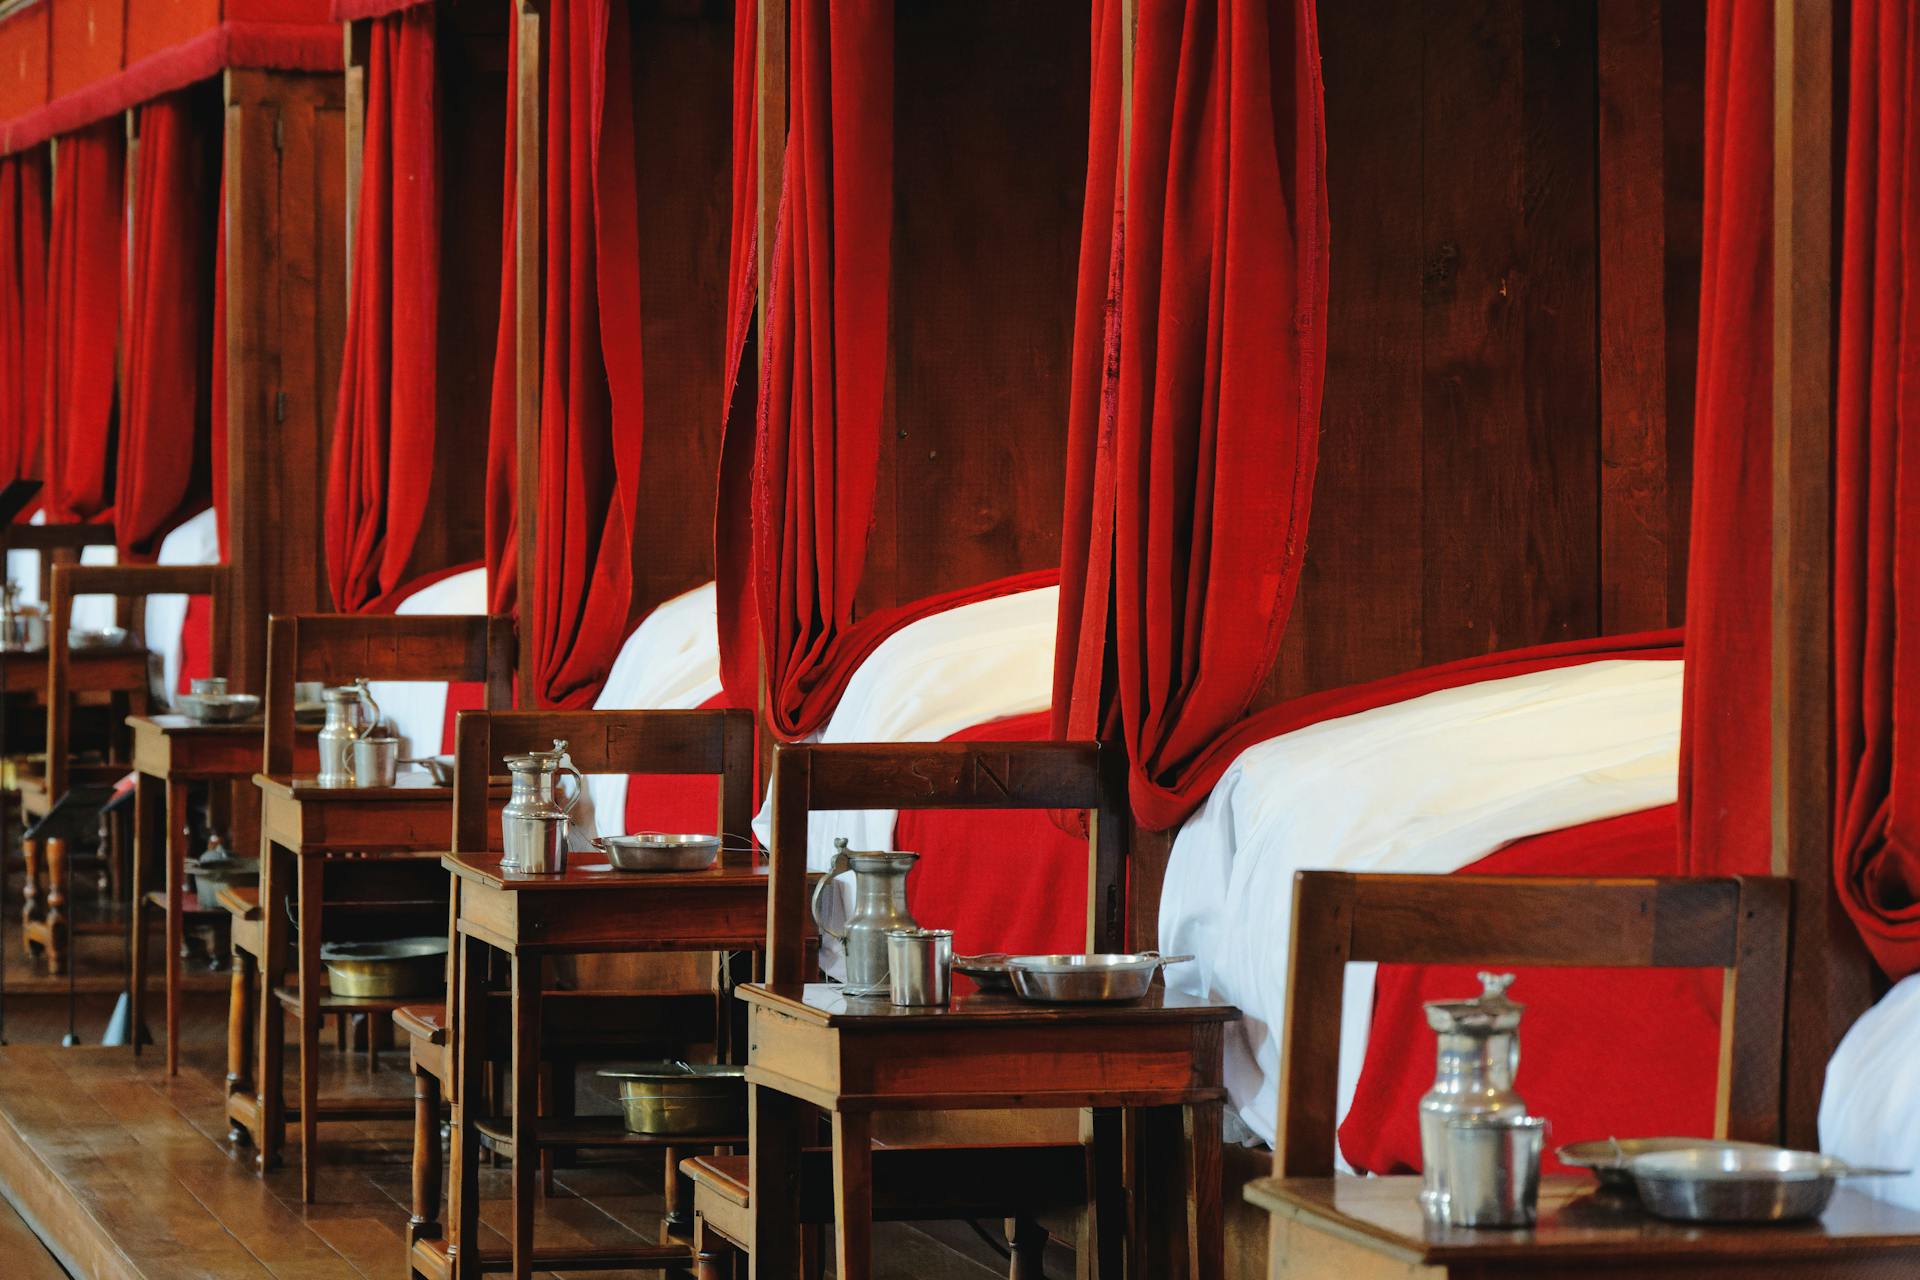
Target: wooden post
x,y
529,80
1830,976
286,321
355,36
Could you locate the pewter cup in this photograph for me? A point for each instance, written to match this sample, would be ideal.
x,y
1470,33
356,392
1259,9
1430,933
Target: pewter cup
x,y
920,965
376,762
1493,1170
209,687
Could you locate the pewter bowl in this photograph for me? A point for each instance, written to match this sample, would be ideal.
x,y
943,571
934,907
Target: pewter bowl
x,y
659,851
1767,1184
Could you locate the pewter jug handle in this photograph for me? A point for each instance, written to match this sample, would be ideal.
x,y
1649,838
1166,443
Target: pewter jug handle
x,y
373,717
842,861
579,779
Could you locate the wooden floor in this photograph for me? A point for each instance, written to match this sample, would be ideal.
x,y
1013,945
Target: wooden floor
x,y
128,1176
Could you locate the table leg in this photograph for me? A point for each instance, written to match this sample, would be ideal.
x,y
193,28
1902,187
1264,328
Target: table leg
x,y
853,1194
1102,1250
176,856
146,826
276,869
242,988
1206,1227
469,1035
773,1171
525,971
308,953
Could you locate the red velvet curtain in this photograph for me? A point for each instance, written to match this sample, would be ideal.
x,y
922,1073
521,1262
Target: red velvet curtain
x,y
732,520
591,402
1876,583
23,311
503,460
383,434
1725,768
85,265
1194,450
164,473
823,386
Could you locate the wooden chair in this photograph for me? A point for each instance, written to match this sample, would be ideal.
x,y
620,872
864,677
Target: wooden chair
x,y
120,680
334,649
935,1181
1738,925
580,1023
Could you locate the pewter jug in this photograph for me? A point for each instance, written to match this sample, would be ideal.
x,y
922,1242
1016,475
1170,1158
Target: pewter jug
x,y
535,823
23,627
879,908
351,715
1479,1051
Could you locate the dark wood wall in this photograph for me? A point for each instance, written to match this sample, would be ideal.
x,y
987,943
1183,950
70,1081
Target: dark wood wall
x,y
990,158
1515,207
683,110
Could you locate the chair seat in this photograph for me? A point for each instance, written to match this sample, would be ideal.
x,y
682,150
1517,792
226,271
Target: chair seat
x,y
725,1176
242,900
426,1022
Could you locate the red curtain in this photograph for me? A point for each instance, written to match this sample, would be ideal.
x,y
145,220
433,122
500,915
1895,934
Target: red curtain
x,y
23,311
1725,766
1876,584
503,529
591,398
823,387
1194,449
383,434
164,473
732,521
85,264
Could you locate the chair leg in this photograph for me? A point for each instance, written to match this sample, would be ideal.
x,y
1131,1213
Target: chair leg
x,y
30,898
57,867
425,1222
1027,1249
240,1017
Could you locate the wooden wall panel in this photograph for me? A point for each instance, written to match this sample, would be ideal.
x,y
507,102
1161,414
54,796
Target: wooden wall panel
x,y
1513,295
682,76
286,314
989,177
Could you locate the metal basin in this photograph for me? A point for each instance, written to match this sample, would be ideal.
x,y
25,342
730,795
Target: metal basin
x,y
682,1097
96,638
386,970
1609,1157
1089,979
1767,1184
988,971
218,708
209,877
659,851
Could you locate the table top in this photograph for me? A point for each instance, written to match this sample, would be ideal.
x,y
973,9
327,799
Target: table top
x,y
417,786
186,726
828,1004
1577,1221
590,872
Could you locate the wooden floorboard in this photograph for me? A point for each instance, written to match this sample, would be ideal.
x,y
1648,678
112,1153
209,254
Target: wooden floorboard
x,y
26,1258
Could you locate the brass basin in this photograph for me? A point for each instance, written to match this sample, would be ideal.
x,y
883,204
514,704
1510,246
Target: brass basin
x,y
683,1097
388,970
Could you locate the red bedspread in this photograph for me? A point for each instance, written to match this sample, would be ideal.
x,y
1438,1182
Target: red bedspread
x,y
1602,1052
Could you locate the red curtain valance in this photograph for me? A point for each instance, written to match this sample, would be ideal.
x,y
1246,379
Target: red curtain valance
x,y
1725,770
165,458
85,264
383,434
1876,584
1186,526
23,311
823,384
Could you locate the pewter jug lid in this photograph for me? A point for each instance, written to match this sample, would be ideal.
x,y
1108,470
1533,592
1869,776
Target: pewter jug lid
x,y
874,858
1485,1014
540,761
342,693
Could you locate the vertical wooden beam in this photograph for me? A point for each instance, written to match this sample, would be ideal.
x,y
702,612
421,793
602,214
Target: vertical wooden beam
x,y
286,317
770,95
355,37
529,243
1829,979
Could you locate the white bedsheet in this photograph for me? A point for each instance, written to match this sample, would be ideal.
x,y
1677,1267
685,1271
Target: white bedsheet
x,y
1870,1106
671,662
417,709
927,681
193,541
1431,784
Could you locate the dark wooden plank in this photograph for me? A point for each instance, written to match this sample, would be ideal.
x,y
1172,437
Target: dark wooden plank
x,y
1831,977
1635,506
1684,73
529,80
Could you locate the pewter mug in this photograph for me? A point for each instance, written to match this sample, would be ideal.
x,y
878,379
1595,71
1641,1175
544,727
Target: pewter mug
x,y
879,908
23,627
535,823
351,715
1479,1051
1493,1170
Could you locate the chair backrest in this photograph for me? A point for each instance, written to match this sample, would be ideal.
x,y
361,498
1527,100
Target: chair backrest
x,y
334,648
1736,924
941,775
656,742
126,582
57,544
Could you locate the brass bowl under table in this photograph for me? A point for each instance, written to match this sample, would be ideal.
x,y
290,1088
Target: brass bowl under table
x,y
682,1097
387,970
